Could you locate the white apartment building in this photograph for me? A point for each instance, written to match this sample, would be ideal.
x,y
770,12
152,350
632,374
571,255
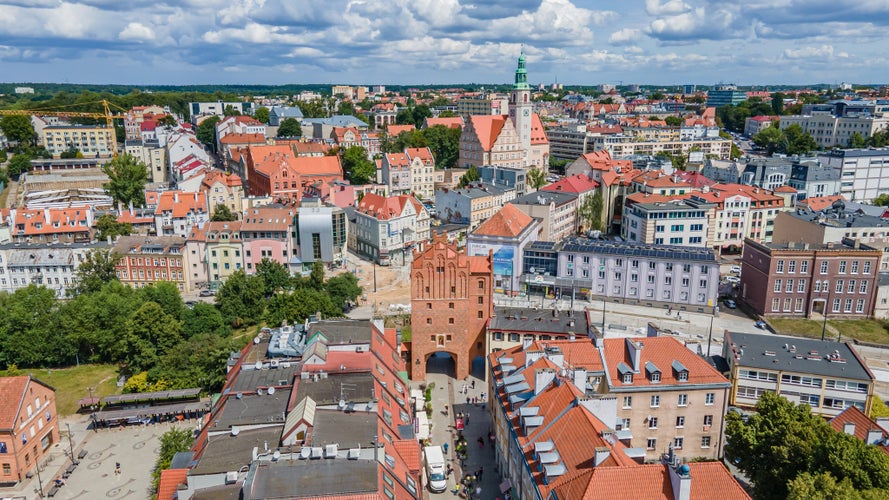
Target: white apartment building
x,y
864,173
51,265
829,130
658,220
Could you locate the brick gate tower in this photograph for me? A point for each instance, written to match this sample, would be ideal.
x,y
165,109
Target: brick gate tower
x,y
451,302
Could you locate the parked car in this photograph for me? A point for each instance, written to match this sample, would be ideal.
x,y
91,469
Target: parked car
x,y
735,270
732,279
730,303
206,293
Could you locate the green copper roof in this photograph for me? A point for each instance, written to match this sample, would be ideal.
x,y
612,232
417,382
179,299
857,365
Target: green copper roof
x,y
521,74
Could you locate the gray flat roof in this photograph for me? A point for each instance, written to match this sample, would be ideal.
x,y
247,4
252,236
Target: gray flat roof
x,y
252,409
548,197
755,346
857,152
540,321
633,249
225,452
249,380
345,429
356,387
342,331
311,478
845,219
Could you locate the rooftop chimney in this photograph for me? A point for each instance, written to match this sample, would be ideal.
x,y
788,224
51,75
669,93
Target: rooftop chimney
x,y
680,476
635,350
542,378
602,454
874,436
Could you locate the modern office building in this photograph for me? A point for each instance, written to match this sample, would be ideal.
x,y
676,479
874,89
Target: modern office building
x,y
864,173
828,376
660,220
829,130
725,95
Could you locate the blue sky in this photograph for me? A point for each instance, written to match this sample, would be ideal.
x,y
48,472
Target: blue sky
x,y
369,42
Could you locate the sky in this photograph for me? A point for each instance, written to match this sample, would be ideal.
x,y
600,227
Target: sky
x,y
368,42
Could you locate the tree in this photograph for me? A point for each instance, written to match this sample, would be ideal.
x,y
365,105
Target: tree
x,y
30,333
798,141
778,103
444,143
149,334
821,486
275,276
783,441
656,96
231,111
166,295
769,138
536,178
127,177
877,140
878,409
316,279
18,128
206,132
343,288
96,270
167,121
93,321
298,305
173,441
108,227
857,141
203,318
674,121
312,109
241,299
590,211
470,176
420,113
357,167
290,127
223,214
18,164
261,114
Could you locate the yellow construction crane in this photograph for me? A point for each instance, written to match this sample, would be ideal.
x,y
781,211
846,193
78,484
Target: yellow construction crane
x,y
108,116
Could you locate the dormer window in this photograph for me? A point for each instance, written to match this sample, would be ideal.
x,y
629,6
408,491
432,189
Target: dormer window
x,y
680,371
682,377
654,374
628,378
626,373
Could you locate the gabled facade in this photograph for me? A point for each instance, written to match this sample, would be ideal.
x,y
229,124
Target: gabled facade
x,y
266,233
222,189
147,261
387,228
422,165
29,426
505,234
53,266
177,212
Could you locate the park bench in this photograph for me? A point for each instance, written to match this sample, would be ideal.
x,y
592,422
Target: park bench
x,y
81,455
52,491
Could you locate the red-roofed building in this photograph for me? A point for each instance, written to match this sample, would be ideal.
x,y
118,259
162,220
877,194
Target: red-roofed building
x,y
238,124
505,235
451,302
396,172
29,426
422,165
389,227
222,188
147,261
755,124
275,171
51,225
449,122
171,479
516,139
394,131
819,203
177,212
742,211
854,422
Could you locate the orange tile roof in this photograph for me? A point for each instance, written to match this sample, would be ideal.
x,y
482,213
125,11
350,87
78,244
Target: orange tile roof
x,y
397,160
52,220
820,203
212,176
752,192
642,197
487,129
188,202
382,208
660,351
424,154
658,179
12,392
578,183
169,483
306,148
508,222
538,133
785,189
410,453
267,219
696,179
450,122
479,264
862,424
394,130
309,166
708,477
242,139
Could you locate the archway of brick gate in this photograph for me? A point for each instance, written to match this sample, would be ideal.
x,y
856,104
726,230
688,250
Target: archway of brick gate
x,y
441,363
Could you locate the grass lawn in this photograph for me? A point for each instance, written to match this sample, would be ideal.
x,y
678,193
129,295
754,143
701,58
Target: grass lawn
x,y
71,383
865,330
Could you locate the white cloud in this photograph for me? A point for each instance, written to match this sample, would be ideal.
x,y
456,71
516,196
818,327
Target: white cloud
x,y
626,35
668,8
136,31
824,51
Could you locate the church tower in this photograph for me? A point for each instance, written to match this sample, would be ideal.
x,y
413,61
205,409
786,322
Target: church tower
x,y
520,107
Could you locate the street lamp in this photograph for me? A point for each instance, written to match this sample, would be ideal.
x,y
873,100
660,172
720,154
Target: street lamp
x,y
70,442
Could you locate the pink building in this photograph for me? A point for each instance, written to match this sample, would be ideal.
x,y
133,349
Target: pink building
x,y
266,234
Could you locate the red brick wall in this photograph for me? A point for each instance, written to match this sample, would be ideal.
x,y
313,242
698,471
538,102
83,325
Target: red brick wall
x,y
451,302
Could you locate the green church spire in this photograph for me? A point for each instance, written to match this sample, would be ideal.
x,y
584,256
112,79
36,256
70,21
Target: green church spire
x,y
521,74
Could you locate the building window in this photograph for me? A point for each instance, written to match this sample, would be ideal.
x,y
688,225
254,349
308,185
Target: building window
x,y
428,321
791,266
851,287
848,306
628,378
652,423
780,267
862,288
481,285
800,286
804,266
677,443
450,321
842,267
776,305
854,267
480,315
708,420
866,268
839,286
628,401
836,305
682,376
655,377
824,267
705,441
799,305
450,305
683,400
859,306
710,398
651,444
789,287
680,421
655,401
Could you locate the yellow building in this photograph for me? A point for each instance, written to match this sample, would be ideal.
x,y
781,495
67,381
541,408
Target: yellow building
x,y
94,141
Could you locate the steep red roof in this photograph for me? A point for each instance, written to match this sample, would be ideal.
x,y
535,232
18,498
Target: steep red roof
x,y
538,133
169,483
821,202
487,128
785,189
12,390
382,208
450,122
181,205
861,425
394,130
397,160
662,352
424,154
508,222
577,183
242,139
52,220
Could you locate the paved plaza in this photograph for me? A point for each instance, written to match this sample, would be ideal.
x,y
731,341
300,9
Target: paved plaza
x,y
134,447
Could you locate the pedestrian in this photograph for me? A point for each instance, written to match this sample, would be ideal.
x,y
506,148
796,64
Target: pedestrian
x,y
481,471
466,419
467,399
445,446
446,409
473,383
456,490
478,491
449,470
117,468
481,442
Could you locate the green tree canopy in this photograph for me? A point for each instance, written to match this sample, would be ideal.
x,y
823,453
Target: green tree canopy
x,y
108,227
357,167
536,178
778,103
470,176
29,329
206,132
127,177
311,109
149,334
241,299
261,114
204,318
343,288
96,270
18,164
231,111
798,141
782,441
590,211
769,138
167,121
290,127
18,128
223,214
172,442
674,121
275,276
857,141
444,143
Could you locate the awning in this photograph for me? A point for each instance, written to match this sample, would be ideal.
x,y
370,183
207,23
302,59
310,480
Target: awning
x,y
505,486
423,426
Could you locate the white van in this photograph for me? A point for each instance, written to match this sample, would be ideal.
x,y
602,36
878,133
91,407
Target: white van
x,y
435,469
